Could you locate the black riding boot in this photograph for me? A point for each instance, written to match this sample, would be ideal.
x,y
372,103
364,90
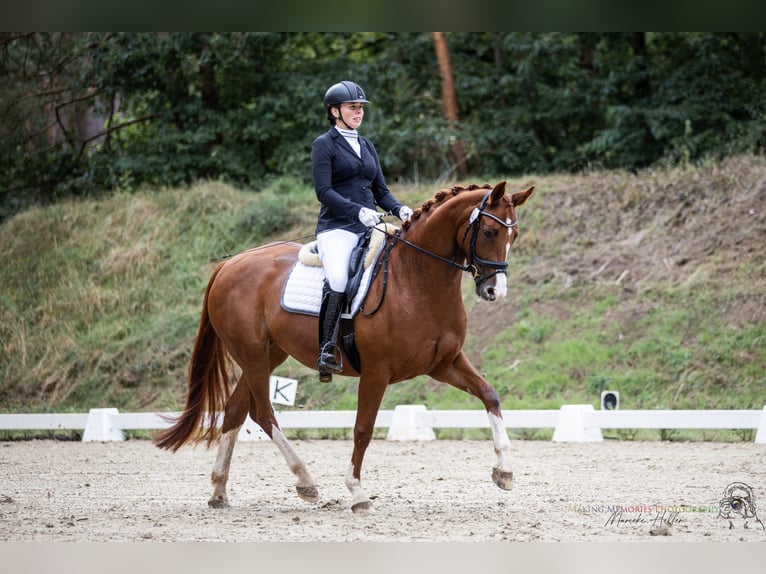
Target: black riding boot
x,y
329,319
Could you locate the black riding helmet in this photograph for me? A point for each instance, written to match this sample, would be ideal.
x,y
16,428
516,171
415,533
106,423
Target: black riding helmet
x,y
343,93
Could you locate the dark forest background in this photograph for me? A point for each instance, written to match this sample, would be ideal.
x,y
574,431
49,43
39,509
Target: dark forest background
x,y
88,113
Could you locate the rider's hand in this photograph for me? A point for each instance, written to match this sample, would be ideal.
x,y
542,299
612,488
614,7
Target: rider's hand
x,y
369,217
405,213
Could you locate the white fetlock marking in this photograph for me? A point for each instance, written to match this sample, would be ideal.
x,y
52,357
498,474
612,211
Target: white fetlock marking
x,y
502,443
291,457
355,486
220,474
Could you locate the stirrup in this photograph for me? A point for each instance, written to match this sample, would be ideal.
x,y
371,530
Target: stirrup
x,y
324,366
326,360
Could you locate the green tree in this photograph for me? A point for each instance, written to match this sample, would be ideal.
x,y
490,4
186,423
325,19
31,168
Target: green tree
x,y
84,113
46,114
679,97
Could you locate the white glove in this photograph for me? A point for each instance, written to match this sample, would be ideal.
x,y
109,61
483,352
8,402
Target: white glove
x,y
405,213
369,217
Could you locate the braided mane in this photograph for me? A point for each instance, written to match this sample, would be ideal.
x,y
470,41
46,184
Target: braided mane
x,y
439,197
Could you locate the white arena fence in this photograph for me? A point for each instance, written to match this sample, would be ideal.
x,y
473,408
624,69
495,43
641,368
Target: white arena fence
x,y
571,423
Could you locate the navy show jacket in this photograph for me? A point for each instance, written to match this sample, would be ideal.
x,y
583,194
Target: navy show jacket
x,y
344,182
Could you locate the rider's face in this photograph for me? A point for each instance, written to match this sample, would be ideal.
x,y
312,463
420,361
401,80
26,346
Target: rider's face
x,y
352,114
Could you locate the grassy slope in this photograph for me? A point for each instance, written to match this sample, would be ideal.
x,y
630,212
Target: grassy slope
x,y
653,284
101,299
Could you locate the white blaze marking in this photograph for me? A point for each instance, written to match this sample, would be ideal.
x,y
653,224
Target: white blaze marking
x,y
501,285
501,280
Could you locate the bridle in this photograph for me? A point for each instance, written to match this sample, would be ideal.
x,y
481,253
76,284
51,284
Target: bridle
x,y
474,261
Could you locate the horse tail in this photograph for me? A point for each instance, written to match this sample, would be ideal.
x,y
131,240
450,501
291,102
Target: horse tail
x,y
208,387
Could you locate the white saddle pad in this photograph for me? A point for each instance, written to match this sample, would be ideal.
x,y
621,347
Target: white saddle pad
x,y
302,292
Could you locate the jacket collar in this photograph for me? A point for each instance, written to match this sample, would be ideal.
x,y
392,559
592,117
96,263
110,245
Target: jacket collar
x,y
338,137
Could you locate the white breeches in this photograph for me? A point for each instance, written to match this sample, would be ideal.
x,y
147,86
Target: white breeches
x,y
335,247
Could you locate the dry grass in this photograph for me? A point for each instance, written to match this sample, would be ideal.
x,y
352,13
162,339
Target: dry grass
x,y
654,281
91,284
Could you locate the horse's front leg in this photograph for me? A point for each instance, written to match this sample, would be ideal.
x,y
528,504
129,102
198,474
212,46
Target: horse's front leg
x,y
369,397
462,375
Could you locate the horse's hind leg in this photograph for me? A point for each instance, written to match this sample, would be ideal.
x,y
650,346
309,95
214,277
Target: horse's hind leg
x,y
304,486
220,475
263,414
234,417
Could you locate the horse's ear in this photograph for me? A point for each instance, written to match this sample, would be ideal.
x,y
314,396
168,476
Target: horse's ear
x,y
519,198
497,192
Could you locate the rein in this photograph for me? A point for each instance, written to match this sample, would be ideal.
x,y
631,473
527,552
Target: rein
x,y
397,237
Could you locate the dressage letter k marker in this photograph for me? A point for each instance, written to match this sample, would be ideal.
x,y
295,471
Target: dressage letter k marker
x,y
278,390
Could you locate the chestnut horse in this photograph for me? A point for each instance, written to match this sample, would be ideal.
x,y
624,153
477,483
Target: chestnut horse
x,y
417,328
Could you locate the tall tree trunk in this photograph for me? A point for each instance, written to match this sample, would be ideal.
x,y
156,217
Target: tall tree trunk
x,y
638,42
449,99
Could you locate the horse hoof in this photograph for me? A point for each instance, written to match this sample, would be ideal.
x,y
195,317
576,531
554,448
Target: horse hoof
x,y
308,493
502,478
218,502
362,507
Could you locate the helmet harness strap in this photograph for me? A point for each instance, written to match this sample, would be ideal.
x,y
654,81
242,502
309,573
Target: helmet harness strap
x,y
340,117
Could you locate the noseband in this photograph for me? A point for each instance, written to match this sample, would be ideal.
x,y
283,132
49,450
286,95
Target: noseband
x,y
474,260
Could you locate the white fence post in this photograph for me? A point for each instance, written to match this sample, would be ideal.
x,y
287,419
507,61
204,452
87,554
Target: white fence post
x,y
573,425
407,423
760,436
99,426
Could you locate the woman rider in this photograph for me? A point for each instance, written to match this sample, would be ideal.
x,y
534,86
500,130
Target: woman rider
x,y
350,185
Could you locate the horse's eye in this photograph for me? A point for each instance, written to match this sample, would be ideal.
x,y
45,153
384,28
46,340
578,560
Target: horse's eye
x,y
488,233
